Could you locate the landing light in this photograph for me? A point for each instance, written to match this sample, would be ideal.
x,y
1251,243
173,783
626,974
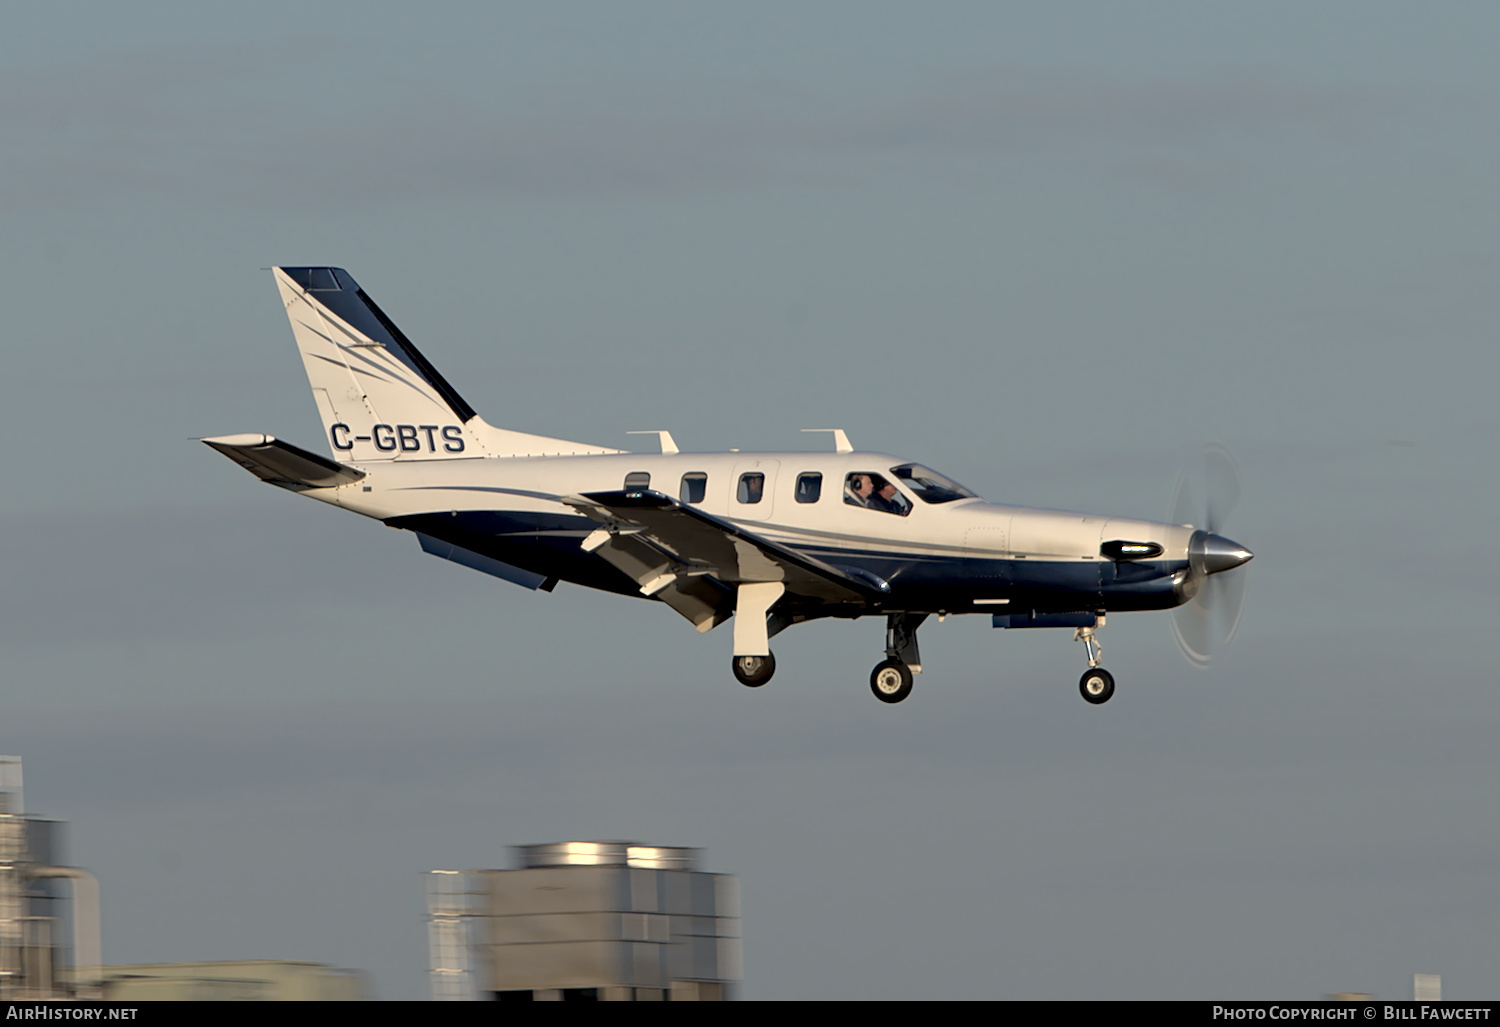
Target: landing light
x,y
1120,549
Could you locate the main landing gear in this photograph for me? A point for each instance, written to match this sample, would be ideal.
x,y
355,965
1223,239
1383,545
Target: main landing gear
x,y
1097,684
753,671
891,679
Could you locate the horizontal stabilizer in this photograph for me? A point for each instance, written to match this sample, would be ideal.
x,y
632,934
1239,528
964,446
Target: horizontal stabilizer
x,y
485,564
281,463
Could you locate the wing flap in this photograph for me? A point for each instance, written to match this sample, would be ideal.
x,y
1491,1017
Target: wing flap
x,y
666,537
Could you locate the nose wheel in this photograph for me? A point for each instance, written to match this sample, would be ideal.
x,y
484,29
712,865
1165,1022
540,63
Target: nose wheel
x,y
891,681
1096,685
753,671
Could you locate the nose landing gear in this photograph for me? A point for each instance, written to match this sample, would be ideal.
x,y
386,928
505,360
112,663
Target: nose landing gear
x,y
1097,684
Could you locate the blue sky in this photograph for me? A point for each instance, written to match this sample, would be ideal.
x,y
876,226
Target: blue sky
x,y
1049,251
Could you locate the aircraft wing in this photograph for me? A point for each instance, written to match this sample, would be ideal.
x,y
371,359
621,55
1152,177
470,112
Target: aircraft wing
x,y
670,541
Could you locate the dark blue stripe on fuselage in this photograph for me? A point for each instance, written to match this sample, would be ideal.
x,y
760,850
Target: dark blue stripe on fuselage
x,y
943,582
548,544
545,544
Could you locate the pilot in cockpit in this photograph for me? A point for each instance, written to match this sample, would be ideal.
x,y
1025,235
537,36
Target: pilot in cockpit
x,y
874,493
858,490
889,499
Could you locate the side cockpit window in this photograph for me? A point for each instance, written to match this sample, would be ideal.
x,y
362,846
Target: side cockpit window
x,y
694,487
929,485
809,487
873,492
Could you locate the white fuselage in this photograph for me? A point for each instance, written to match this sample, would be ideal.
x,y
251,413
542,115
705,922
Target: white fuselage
x,y
934,546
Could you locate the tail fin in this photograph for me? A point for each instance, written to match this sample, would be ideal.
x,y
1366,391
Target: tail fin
x,y
378,396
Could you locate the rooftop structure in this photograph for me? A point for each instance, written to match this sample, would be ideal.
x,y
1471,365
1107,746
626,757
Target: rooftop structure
x,y
591,921
263,980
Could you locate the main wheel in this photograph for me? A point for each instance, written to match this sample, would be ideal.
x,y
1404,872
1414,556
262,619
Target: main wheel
x,y
753,671
891,681
1096,685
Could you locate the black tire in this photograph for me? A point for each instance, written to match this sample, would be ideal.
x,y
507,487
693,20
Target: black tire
x,y
1097,685
891,681
753,671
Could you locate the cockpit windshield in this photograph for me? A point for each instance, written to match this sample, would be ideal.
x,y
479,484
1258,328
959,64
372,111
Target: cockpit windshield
x,y
929,485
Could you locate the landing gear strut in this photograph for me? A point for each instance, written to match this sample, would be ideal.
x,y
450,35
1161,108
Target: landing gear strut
x,y
1097,684
752,662
892,678
753,671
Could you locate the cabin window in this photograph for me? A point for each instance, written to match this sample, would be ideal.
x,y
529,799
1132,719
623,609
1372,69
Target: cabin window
x,y
873,492
638,480
752,487
809,487
694,485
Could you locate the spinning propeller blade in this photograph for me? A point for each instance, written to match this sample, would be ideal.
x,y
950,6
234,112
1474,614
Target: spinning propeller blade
x,y
1211,618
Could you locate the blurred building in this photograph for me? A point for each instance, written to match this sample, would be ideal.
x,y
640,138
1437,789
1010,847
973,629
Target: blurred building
x,y
255,980
585,921
43,953
49,945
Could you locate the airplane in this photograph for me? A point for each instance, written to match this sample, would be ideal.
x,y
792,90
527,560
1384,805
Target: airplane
x,y
767,539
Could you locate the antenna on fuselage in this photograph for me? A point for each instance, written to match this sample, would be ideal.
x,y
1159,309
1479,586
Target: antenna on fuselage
x,y
840,440
668,444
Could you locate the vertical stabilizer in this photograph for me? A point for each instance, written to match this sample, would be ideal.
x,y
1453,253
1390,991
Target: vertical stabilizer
x,y
379,398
